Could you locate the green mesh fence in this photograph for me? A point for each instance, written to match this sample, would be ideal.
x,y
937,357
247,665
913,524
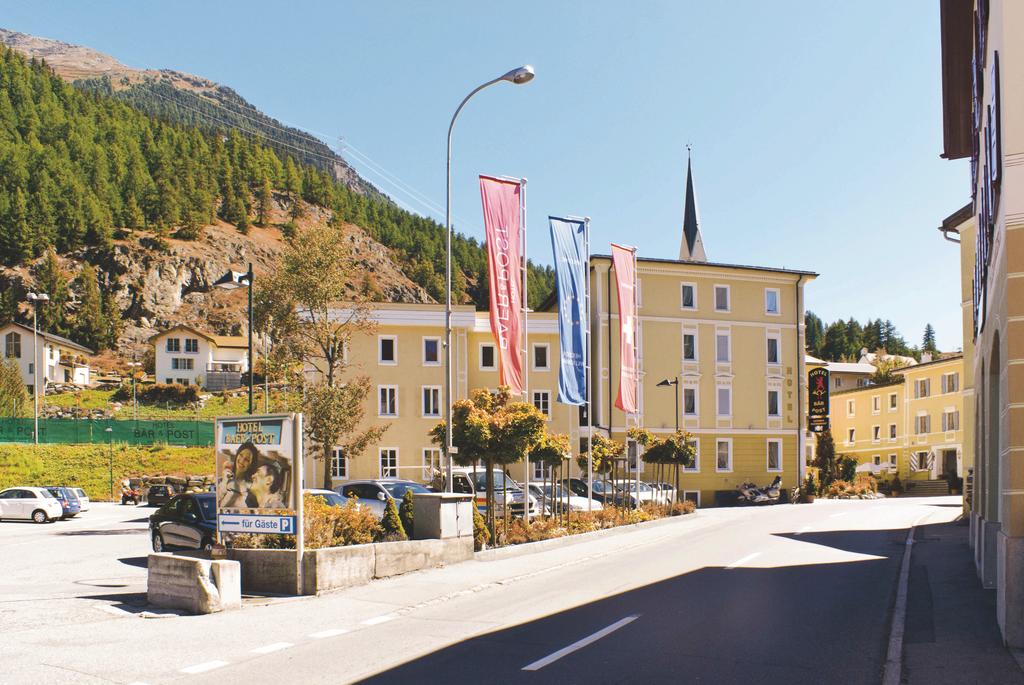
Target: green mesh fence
x,y
89,431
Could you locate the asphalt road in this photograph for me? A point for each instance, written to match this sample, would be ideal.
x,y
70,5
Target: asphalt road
x,y
788,594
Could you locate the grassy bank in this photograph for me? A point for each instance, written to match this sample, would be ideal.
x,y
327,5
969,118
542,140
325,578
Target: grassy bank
x,y
217,405
88,466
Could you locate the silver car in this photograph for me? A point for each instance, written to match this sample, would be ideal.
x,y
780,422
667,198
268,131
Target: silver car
x,y
374,494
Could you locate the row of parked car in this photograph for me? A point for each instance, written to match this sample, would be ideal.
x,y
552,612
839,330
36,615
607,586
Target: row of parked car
x,y
42,504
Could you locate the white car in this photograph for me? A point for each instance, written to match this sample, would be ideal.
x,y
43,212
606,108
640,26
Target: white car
x,y
550,496
83,498
29,504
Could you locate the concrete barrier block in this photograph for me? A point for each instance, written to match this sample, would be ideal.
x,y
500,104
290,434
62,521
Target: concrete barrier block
x,y
335,568
193,585
396,558
266,570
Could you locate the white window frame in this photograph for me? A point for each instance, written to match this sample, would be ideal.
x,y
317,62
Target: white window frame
x,y
727,441
876,405
533,356
380,462
423,401
892,460
423,350
728,298
380,404
778,302
692,492
194,345
778,349
693,287
380,350
718,401
727,334
546,394
480,356
946,414
428,461
338,458
696,400
696,346
851,408
876,459
173,348
767,455
851,436
876,433
893,402
696,457
778,403
537,474
892,432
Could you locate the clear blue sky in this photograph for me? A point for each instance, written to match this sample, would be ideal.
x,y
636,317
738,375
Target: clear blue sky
x,y
816,127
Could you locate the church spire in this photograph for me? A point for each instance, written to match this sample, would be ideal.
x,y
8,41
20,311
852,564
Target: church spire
x,y
691,247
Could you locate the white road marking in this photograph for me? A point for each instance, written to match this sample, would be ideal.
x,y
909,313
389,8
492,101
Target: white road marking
x,y
273,647
803,530
743,560
379,619
580,644
328,633
203,668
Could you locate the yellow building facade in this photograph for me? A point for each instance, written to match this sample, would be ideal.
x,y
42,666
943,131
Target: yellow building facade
x,y
913,428
732,336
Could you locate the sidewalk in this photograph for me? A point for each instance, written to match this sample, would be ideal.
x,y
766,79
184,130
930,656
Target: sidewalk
x,y
951,632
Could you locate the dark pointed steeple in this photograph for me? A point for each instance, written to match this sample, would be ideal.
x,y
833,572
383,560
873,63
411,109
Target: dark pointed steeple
x,y
691,248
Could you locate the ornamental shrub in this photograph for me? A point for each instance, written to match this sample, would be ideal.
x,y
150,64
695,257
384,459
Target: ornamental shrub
x,y
406,513
481,536
391,529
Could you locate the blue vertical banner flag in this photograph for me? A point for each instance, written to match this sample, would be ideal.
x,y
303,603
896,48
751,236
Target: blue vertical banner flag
x,y
569,243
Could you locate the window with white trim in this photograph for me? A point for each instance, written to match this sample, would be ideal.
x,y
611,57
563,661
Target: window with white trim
x,y
488,362
923,388
431,463
689,401
724,401
950,382
951,420
431,351
339,464
431,400
387,400
877,460
722,347
723,455
773,404
183,363
773,343
721,298
192,345
892,460
389,462
876,404
876,433
771,301
387,349
892,401
922,424
892,431
851,407
774,455
542,401
541,361
12,345
690,347
174,344
688,296
694,466
851,436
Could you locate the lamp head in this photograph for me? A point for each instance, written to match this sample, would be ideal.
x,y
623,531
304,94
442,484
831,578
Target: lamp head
x,y
665,383
39,297
233,279
523,74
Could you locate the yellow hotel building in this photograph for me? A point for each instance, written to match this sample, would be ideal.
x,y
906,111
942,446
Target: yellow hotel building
x,y
731,336
913,427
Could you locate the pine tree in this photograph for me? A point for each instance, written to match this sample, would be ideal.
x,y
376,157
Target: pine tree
x,y
264,202
928,341
391,523
406,512
90,321
50,279
112,319
15,235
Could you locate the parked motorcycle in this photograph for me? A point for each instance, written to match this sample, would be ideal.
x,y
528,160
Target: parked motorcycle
x,y
774,491
748,493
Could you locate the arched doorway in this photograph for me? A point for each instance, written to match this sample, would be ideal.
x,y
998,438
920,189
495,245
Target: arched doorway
x,y
993,446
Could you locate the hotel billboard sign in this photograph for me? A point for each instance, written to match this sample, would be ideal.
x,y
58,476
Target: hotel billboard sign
x,y
818,402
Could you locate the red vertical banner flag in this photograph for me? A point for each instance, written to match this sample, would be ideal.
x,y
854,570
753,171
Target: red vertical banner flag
x,y
502,212
623,258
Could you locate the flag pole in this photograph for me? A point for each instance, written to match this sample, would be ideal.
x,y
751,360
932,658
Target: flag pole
x,y
590,420
636,367
526,339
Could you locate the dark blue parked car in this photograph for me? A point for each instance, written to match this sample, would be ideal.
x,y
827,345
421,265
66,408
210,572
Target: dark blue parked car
x,y
68,500
187,521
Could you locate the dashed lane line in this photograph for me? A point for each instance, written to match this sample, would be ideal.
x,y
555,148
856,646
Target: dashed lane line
x,y
328,633
743,560
376,620
580,644
272,647
203,667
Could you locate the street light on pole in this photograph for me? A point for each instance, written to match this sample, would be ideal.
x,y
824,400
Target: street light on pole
x,y
110,457
231,281
666,383
36,299
135,402
522,75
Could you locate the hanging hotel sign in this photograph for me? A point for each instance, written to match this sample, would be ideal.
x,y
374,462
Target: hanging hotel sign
x,y
818,403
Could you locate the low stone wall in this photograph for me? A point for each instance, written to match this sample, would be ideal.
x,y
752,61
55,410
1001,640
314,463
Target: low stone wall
x,y
334,568
198,586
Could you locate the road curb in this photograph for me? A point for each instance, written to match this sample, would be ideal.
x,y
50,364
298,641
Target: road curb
x,y
892,673
568,540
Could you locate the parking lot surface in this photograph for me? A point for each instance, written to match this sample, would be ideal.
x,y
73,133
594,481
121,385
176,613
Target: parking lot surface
x,y
76,571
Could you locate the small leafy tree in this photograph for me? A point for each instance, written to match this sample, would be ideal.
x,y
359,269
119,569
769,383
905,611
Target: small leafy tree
x,y
405,512
603,452
886,368
550,452
481,534
675,450
14,400
810,487
391,526
825,458
491,429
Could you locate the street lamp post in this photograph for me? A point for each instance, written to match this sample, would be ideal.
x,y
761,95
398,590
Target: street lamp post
x,y
523,74
230,281
674,382
36,299
135,402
